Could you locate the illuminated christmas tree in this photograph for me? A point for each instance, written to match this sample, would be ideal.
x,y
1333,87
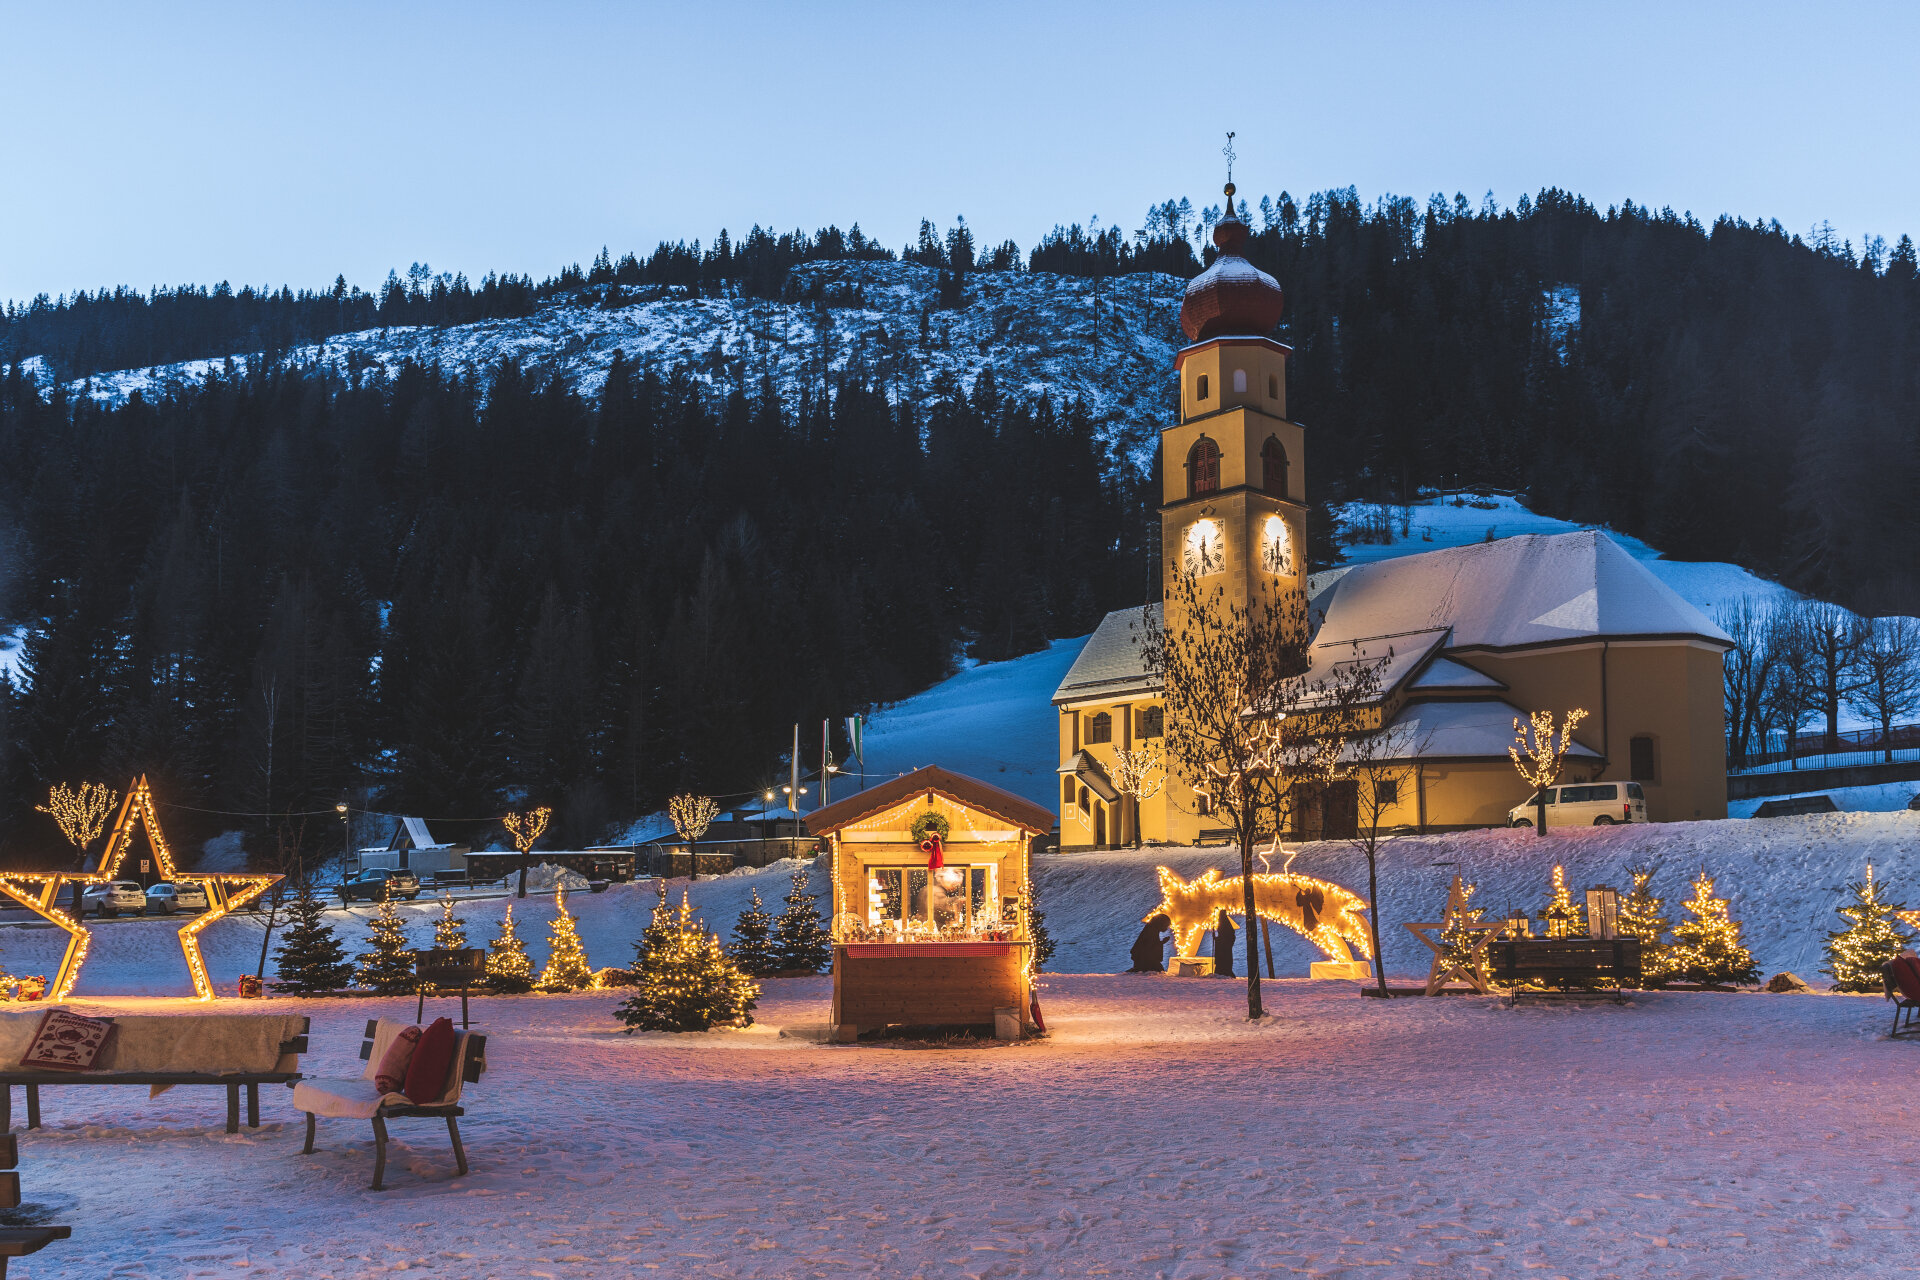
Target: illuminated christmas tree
x,y
1643,916
687,983
800,938
752,948
1459,943
508,968
1871,938
1562,916
1036,927
310,959
449,931
1707,948
388,968
567,968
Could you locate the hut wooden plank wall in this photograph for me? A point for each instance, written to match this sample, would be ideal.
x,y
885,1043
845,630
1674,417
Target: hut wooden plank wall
x,y
915,946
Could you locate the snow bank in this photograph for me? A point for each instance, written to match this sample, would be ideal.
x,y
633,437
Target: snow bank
x,y
546,877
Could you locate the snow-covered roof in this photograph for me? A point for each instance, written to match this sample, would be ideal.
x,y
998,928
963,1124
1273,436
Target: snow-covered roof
x,y
1110,666
1533,589
417,832
1445,673
1462,729
1082,765
1394,658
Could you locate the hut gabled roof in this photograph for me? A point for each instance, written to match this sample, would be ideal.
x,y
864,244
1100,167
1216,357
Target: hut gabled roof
x,y
957,787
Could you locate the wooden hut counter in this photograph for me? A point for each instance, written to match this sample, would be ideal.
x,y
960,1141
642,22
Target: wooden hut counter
x,y
929,876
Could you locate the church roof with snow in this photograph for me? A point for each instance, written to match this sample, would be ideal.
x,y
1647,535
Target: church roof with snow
x,y
1529,591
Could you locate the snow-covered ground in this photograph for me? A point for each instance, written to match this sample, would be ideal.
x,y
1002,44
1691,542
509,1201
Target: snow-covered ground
x,y
1886,798
1155,1133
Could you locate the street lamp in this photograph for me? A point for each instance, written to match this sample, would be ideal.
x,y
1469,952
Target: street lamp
x,y
346,839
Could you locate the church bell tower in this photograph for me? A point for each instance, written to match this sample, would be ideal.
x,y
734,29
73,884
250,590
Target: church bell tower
x,y
1233,468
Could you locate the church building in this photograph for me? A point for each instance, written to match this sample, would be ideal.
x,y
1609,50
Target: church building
x,y
1466,638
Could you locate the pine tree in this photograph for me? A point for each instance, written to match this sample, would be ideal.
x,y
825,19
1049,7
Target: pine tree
x,y
752,948
1643,916
1037,928
1707,948
1871,938
687,983
310,959
659,929
1457,940
388,968
1562,916
567,968
800,938
508,969
449,931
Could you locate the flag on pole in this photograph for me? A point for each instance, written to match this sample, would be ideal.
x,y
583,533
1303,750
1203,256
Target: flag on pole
x,y
855,726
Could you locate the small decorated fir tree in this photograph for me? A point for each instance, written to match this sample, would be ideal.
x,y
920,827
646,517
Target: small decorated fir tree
x,y
388,968
310,959
567,968
1707,948
508,969
752,948
449,931
800,938
1871,938
686,981
1643,916
1036,927
1563,917
1457,940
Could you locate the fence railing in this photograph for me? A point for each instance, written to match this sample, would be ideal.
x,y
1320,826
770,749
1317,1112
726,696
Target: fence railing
x,y
1816,749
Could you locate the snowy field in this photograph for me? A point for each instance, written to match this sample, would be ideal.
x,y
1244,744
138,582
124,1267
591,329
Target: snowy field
x,y
1154,1134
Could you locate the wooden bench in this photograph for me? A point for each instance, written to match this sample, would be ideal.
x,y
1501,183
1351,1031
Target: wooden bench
x,y
1905,1005
234,1081
1565,962
18,1242
360,1097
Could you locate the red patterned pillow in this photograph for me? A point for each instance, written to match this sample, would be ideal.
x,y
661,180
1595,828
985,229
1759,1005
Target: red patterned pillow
x,y
427,1073
391,1075
1906,976
67,1041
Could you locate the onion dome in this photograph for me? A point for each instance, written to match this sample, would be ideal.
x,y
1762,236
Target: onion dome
x,y
1232,296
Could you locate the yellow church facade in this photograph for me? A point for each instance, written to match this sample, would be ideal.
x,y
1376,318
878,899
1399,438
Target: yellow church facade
x,y
1465,638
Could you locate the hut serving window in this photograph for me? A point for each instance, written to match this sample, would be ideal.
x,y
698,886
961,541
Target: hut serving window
x,y
952,899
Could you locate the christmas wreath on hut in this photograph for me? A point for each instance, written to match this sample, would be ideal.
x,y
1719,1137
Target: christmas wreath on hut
x,y
931,829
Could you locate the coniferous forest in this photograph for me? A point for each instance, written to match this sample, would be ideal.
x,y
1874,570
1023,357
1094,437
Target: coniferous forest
x,y
445,591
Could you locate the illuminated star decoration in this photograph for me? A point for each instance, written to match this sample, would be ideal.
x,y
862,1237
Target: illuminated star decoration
x,y
226,892
1459,919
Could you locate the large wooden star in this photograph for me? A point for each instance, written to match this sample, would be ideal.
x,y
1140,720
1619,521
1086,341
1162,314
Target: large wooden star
x,y
1471,968
39,892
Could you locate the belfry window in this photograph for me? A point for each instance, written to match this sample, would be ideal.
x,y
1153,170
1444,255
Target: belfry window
x,y
1239,380
1201,392
1203,467
1273,386
1100,728
1273,467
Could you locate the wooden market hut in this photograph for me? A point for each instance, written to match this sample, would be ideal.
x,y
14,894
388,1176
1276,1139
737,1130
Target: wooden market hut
x,y
918,946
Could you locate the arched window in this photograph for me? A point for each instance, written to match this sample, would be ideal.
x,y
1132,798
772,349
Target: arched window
x,y
1273,386
1203,467
1153,722
1100,728
1201,394
1273,467
1066,792
1239,380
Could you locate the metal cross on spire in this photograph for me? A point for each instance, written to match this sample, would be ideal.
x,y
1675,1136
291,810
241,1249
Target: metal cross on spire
x,y
1227,151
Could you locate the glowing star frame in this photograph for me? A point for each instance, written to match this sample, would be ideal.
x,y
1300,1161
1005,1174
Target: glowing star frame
x,y
1336,924
1471,969
226,893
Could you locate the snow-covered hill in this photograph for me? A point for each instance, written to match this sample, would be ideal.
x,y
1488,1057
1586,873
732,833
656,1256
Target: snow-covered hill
x,y
1108,342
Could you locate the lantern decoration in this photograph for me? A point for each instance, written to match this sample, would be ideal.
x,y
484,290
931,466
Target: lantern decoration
x,y
226,892
1603,912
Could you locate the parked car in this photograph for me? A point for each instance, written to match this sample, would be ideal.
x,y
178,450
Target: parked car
x,y
1596,804
111,899
374,883
167,898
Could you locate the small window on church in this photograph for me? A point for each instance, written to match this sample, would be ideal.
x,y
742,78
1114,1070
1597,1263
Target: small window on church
x,y
1203,467
1100,728
1153,722
1273,467
1066,792
1239,380
1201,394
1273,386
1085,800
1640,761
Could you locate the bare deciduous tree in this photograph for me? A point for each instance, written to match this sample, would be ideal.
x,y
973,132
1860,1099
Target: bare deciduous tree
x,y
1887,675
1138,775
1829,640
1748,673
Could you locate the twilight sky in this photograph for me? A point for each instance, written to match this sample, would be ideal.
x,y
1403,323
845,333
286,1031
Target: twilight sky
x,y
158,144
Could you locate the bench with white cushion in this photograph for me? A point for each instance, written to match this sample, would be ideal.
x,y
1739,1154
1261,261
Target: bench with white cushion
x,y
359,1098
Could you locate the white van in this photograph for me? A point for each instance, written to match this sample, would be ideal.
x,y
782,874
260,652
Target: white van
x,y
1595,804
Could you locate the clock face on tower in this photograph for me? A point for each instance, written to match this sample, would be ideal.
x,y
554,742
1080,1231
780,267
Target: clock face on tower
x,y
1205,549
1276,547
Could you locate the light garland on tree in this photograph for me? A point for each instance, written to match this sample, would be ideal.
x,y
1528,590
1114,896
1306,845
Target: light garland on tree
x,y
567,968
1538,756
507,962
1563,917
81,812
525,828
226,893
1707,948
449,931
1856,954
